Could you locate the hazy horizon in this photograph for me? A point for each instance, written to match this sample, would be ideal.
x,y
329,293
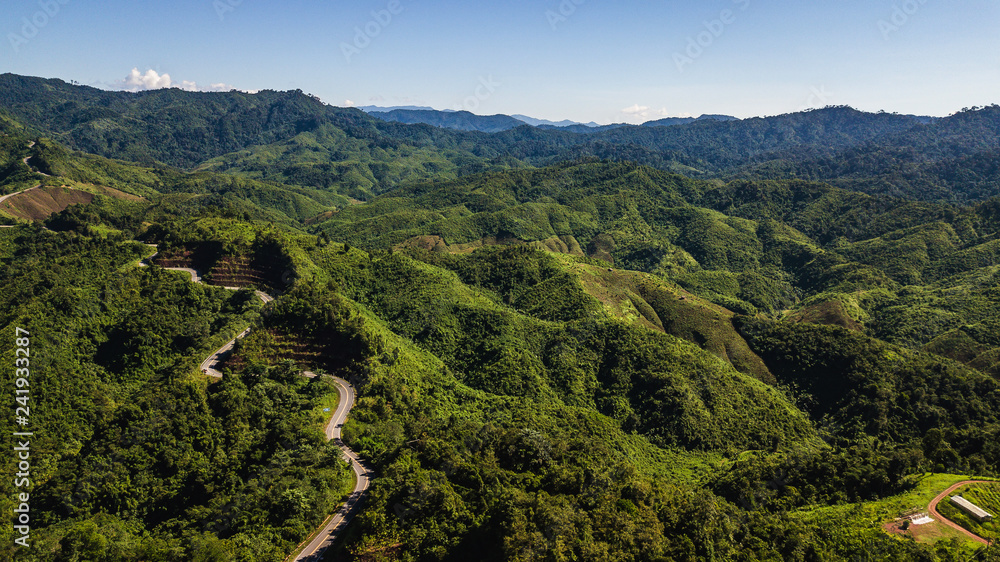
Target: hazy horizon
x,y
580,60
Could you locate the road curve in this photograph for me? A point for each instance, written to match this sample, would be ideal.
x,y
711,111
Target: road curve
x,y
314,549
932,510
9,195
25,160
208,366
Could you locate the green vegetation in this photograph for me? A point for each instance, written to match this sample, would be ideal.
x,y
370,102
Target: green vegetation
x,y
293,138
987,497
590,360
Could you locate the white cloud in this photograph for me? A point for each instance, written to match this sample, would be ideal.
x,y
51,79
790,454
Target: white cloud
x,y
348,103
664,113
151,80
639,110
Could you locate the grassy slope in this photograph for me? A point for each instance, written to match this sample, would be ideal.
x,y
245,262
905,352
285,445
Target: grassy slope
x,y
563,361
507,351
904,272
881,512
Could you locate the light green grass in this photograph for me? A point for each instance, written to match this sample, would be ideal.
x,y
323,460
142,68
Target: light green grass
x,y
875,514
986,496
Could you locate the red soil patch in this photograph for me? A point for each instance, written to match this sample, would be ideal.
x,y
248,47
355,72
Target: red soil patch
x,y
38,204
932,510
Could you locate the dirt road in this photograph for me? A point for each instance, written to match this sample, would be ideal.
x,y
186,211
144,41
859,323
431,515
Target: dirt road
x,y
932,510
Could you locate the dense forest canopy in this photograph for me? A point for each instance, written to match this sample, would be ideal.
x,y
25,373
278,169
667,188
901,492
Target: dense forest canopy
x,y
702,341
292,137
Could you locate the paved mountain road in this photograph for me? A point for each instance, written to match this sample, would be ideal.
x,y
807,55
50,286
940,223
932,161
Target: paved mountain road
x,y
314,549
25,160
9,195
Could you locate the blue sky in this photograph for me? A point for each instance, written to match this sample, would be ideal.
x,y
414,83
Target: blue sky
x,y
625,61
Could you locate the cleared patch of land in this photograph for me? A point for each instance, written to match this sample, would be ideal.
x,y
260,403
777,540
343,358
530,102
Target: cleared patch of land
x,y
983,495
894,513
39,203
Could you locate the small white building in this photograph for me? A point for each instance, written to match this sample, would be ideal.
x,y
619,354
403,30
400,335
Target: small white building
x,y
971,509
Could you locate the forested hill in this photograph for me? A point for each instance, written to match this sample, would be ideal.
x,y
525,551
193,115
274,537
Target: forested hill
x,y
591,360
293,138
180,128
950,159
749,245
460,120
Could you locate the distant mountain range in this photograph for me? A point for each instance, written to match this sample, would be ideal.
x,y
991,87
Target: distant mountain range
x,y
371,108
467,121
458,120
671,121
293,138
563,123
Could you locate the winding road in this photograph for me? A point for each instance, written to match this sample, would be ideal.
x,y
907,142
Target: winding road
x,y
25,160
932,510
315,548
9,195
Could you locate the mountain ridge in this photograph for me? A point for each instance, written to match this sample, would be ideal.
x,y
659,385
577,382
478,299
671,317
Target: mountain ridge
x,y
559,352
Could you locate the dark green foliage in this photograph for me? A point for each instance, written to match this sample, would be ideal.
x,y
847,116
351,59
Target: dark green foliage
x,y
783,481
951,159
516,404
123,431
244,462
854,386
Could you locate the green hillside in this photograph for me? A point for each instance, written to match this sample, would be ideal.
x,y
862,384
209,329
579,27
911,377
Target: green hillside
x,y
292,137
588,360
